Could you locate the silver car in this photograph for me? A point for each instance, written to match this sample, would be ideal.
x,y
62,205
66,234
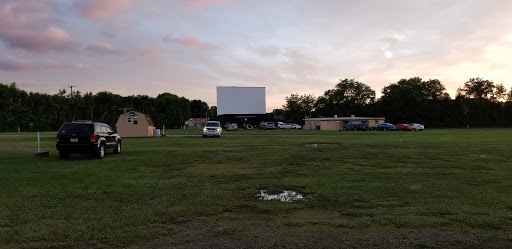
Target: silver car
x,y
295,126
416,127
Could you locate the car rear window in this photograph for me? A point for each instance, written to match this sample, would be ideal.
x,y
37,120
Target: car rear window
x,y
212,124
76,129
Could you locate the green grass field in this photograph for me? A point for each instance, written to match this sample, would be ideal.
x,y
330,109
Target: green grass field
x,y
434,189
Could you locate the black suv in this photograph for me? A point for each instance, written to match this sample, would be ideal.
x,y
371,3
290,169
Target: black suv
x,y
85,136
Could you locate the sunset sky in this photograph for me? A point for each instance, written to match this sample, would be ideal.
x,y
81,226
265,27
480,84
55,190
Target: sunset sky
x,y
188,47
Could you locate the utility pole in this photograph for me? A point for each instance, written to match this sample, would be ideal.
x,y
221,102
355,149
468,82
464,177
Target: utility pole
x,y
71,90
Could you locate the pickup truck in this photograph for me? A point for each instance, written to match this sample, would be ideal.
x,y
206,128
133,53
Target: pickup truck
x,y
356,125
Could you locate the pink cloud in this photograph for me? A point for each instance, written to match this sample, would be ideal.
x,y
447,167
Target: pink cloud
x,y
202,3
188,41
30,25
102,9
156,52
102,48
81,66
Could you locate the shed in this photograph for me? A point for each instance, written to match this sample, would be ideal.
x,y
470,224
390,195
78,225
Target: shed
x,y
337,123
134,124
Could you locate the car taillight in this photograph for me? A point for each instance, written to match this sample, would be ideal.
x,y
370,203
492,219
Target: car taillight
x,y
57,138
93,138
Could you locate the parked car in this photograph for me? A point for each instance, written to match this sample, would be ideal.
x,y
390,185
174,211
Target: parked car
x,y
385,127
248,127
262,125
87,137
212,128
356,125
228,124
295,126
417,127
269,126
402,127
231,127
282,125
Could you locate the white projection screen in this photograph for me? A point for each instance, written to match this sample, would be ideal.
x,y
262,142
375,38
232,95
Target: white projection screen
x,y
240,100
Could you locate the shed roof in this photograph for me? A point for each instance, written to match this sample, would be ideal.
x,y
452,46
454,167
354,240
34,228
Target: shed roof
x,y
148,118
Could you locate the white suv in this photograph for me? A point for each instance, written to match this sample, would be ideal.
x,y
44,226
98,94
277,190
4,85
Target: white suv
x,y
212,128
417,127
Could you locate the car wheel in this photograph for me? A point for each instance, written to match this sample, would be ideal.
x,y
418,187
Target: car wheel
x,y
63,155
117,150
413,129
101,151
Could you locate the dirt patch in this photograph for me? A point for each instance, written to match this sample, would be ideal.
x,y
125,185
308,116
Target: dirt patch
x,y
285,196
321,145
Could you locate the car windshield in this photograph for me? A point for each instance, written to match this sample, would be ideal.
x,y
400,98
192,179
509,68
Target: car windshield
x,y
212,124
76,128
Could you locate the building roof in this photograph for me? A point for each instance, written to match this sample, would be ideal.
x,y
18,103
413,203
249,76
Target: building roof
x,y
148,118
342,118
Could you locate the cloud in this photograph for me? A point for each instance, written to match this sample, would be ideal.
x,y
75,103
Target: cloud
x,y
102,9
202,3
188,41
30,25
154,53
14,64
102,48
80,66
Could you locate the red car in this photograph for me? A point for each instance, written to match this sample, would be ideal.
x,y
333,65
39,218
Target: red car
x,y
402,127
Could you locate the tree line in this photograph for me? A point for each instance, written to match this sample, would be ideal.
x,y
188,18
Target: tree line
x,y
35,111
478,102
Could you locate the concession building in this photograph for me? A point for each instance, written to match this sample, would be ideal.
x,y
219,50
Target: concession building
x,y
336,123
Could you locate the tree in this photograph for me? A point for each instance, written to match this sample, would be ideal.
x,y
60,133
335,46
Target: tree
x,y
172,111
199,108
433,89
477,88
500,92
413,100
297,107
278,112
348,97
212,112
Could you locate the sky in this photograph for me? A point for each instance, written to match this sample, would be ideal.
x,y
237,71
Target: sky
x,y
188,47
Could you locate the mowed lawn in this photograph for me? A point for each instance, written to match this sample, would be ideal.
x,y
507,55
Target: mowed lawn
x,y
444,188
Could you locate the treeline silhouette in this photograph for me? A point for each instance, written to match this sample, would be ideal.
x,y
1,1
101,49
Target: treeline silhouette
x,y
44,112
478,102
